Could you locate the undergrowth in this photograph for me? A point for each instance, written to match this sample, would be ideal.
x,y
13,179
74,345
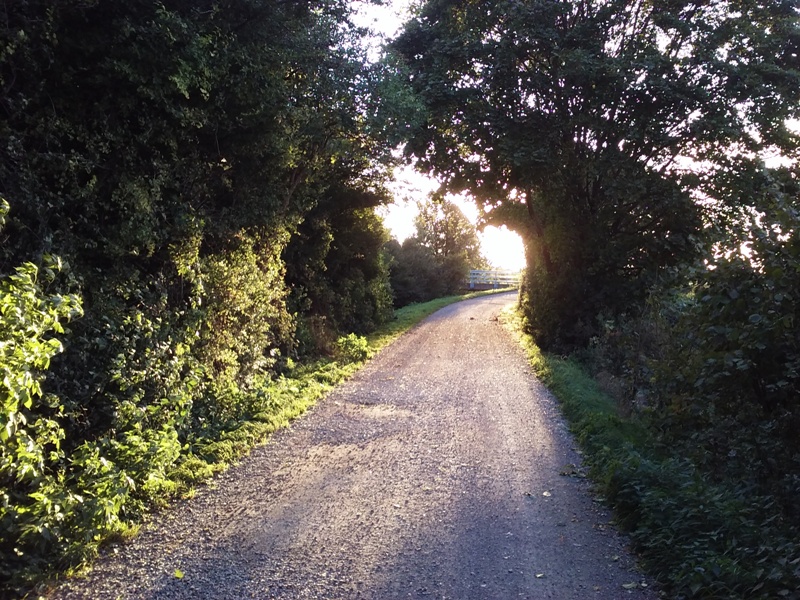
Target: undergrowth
x,y
699,538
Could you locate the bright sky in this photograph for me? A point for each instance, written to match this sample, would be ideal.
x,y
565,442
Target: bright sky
x,y
502,248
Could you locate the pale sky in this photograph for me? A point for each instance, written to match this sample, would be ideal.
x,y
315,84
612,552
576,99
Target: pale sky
x,y
501,247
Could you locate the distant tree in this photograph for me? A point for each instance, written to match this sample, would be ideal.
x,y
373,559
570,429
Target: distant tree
x,y
442,227
436,261
452,240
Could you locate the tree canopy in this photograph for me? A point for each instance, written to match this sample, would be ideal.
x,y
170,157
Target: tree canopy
x,y
172,154
574,123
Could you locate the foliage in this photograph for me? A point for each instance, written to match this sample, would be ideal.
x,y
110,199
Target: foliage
x,y
436,261
727,387
699,536
564,120
710,366
414,273
32,517
442,227
713,359
169,152
245,323
352,348
337,270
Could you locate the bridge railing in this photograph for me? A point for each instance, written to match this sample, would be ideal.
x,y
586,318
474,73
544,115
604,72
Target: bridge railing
x,y
492,279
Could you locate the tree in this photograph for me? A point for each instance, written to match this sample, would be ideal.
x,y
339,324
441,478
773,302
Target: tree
x,y
442,227
168,151
414,274
337,269
436,261
567,122
452,240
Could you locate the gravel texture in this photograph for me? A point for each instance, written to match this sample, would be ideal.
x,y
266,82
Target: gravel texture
x,y
442,470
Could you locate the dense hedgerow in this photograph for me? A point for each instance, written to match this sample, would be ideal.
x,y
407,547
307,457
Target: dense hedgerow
x,y
169,153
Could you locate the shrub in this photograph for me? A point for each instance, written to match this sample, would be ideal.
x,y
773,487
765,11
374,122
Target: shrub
x,y
699,535
352,348
35,505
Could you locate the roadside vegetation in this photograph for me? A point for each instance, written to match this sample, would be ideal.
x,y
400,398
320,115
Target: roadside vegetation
x,y
700,532
189,249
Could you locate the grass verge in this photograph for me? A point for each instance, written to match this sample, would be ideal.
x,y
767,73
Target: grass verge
x,y
699,538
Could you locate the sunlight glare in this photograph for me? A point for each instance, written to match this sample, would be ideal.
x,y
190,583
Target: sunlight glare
x,y
501,247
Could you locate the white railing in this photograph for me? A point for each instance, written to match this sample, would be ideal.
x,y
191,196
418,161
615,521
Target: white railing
x,y
493,279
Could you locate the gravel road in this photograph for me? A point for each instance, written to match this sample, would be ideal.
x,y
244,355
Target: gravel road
x,y
442,470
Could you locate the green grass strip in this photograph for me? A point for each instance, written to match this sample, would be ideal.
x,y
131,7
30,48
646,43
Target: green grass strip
x,y
603,434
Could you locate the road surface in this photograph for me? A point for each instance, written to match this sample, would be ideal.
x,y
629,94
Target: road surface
x,y
442,470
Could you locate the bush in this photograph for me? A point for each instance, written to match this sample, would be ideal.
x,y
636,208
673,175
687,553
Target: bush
x,y
727,388
352,348
699,535
36,508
